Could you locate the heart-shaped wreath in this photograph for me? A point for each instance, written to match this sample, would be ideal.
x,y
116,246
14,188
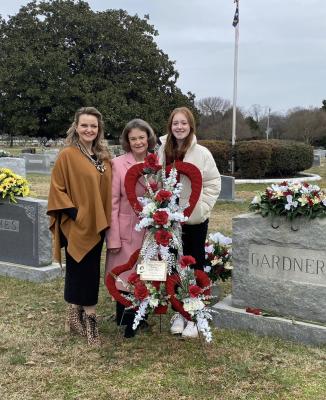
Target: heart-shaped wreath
x,y
187,169
173,282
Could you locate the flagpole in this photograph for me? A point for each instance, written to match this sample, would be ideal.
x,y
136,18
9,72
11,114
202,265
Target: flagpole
x,y
235,81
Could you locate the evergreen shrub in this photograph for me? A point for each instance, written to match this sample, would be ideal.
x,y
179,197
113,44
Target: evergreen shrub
x,y
289,158
221,151
253,158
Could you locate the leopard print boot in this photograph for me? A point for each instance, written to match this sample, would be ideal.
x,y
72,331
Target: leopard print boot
x,y
93,337
75,320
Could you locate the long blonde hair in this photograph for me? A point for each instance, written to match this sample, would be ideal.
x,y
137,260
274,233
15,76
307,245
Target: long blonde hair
x,y
99,146
172,153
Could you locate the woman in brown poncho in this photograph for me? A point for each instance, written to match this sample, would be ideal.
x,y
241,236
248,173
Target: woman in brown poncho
x,y
80,209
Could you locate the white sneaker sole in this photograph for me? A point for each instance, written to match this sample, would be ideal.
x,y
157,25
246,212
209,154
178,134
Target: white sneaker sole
x,y
176,331
189,337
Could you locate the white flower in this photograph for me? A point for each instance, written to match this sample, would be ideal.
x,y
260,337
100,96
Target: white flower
x,y
290,202
219,238
144,223
256,200
209,248
141,312
153,302
207,269
192,304
149,208
228,266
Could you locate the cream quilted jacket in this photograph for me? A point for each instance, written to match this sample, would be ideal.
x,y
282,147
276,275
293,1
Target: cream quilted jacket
x,y
202,158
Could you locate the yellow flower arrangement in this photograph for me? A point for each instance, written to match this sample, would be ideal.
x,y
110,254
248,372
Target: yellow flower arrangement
x,y
12,185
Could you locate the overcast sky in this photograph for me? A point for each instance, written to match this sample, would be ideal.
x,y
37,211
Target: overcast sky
x,y
282,48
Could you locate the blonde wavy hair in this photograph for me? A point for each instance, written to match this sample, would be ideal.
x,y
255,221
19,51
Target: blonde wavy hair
x,y
99,146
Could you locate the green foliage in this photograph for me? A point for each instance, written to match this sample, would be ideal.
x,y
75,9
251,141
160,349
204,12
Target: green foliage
x,y
253,158
221,151
289,157
56,56
259,158
323,107
253,124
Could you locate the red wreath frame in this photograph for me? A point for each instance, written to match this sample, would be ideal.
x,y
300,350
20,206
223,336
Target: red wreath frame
x,y
185,168
173,280
111,278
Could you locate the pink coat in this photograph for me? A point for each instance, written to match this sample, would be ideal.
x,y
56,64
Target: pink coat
x,y
122,233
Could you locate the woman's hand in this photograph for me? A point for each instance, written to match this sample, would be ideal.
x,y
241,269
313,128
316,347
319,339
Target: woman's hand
x,y
114,251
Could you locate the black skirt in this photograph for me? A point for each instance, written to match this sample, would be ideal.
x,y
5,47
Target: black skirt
x,y
82,279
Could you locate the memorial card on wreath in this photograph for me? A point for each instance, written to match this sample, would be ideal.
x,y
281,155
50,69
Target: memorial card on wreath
x,y
152,270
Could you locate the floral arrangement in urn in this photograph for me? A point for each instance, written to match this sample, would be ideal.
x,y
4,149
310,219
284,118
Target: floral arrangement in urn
x,y
291,199
12,185
218,254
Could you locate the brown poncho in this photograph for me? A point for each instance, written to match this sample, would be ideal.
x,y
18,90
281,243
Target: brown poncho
x,y
75,182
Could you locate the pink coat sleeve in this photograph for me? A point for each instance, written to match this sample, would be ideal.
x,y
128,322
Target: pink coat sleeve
x,y
113,240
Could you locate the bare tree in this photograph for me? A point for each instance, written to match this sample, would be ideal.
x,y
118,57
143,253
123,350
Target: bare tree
x,y
211,106
305,124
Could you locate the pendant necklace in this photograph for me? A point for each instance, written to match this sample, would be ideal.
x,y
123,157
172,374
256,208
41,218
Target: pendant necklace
x,y
99,165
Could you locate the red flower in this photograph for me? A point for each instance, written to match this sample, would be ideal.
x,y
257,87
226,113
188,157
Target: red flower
x,y
194,290
163,195
154,186
151,162
251,310
141,291
133,278
162,237
161,217
186,260
269,193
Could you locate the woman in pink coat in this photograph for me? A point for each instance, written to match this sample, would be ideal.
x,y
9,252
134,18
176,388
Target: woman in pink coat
x,y
137,139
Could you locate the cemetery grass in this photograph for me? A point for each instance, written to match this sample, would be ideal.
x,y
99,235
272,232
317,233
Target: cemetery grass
x,y
38,360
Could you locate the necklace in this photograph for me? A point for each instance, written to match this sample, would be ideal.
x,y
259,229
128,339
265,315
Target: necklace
x,y
99,165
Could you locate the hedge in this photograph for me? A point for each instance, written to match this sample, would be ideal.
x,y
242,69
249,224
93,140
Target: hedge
x,y
253,158
260,158
221,151
289,158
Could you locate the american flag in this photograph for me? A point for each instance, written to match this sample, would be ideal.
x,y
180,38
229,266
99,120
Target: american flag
x,y
236,16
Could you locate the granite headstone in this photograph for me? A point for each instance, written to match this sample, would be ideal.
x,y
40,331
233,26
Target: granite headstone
x,y
17,165
37,163
281,271
227,188
26,244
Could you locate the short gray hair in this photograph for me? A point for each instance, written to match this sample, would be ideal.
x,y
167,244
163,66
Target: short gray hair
x,y
142,125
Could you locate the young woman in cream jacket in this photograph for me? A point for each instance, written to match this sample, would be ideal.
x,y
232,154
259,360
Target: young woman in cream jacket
x,y
180,143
